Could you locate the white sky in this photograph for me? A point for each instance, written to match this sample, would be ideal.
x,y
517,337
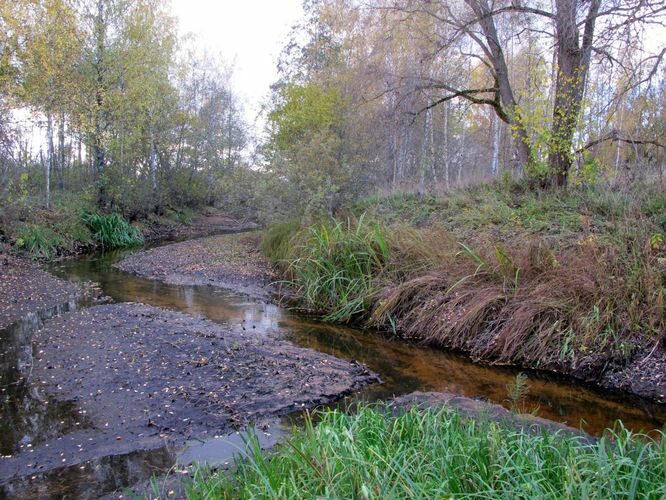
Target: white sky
x,y
248,33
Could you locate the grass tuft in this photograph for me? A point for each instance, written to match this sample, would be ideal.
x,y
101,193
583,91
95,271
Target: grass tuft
x,y
437,454
334,265
112,231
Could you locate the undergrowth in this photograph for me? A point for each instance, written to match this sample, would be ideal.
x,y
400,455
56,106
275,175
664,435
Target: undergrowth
x,y
439,454
562,280
39,242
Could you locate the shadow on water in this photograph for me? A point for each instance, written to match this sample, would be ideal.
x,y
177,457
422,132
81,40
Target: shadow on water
x,y
30,416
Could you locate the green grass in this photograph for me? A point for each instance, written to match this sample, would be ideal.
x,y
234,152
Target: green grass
x,y
112,231
276,241
405,208
38,241
333,265
438,454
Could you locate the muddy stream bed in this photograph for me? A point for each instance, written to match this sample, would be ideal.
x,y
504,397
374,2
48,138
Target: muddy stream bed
x,y
33,413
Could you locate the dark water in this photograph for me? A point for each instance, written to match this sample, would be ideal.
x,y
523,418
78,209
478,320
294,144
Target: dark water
x,y
29,416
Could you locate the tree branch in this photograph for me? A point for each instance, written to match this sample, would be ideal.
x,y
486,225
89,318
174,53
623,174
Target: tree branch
x,y
614,136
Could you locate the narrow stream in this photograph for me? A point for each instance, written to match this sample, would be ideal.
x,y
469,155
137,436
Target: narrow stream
x,y
403,368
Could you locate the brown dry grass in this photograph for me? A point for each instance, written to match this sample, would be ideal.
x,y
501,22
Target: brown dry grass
x,y
530,305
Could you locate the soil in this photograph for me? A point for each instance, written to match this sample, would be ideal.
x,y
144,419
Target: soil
x,y
644,377
142,378
227,261
25,289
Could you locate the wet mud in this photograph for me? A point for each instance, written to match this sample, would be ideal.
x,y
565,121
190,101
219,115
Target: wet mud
x,y
478,409
26,289
119,379
232,262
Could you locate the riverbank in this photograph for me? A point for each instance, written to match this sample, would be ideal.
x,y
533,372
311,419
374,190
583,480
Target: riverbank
x,y
232,262
72,228
566,282
27,289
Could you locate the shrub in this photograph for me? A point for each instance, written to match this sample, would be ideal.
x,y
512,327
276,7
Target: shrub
x,y
112,231
40,242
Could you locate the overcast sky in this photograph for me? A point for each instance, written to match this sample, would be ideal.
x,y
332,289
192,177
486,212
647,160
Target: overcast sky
x,y
249,33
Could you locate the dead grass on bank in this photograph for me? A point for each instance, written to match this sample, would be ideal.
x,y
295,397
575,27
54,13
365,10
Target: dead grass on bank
x,y
531,305
564,280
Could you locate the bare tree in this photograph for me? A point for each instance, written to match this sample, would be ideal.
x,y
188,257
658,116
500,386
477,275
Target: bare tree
x,y
574,29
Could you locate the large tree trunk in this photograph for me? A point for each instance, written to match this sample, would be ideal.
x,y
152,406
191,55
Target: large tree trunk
x,y
505,92
573,59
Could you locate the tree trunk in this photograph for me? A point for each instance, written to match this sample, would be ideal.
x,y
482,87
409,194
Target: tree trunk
x,y
505,92
153,164
48,164
98,142
495,131
61,152
447,158
573,63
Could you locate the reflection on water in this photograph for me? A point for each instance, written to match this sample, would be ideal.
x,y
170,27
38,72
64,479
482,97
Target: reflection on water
x,y
403,367
27,415
95,477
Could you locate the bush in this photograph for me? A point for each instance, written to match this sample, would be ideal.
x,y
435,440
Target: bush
x,y
112,231
40,242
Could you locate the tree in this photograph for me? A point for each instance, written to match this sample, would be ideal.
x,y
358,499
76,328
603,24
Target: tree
x,y
305,144
575,37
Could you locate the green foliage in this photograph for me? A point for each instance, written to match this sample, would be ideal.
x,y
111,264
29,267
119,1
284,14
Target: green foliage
x,y
112,231
307,148
40,242
334,265
590,172
439,454
304,110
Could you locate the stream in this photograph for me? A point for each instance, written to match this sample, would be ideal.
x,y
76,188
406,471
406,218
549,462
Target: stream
x,y
403,368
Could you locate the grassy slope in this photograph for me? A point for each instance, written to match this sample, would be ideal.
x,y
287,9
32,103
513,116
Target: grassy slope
x,y
571,281
437,454
72,226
